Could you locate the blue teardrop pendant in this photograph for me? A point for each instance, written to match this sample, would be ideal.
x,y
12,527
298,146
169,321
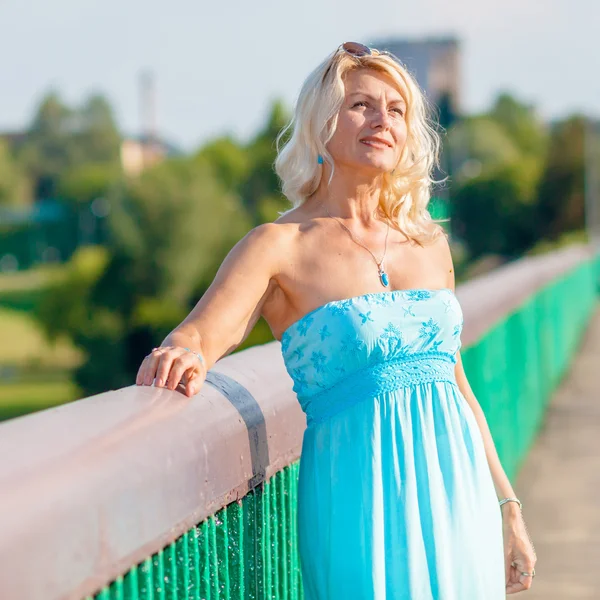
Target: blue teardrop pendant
x,y
384,278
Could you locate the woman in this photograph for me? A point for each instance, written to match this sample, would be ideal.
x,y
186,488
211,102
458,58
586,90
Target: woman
x,y
399,476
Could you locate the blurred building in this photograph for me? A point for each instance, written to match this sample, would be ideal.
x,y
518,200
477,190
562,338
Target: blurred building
x,y
435,64
142,152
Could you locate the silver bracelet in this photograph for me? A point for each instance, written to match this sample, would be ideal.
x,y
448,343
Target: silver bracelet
x,y
511,500
197,354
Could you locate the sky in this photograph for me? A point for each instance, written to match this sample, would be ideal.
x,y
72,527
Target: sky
x,y
218,66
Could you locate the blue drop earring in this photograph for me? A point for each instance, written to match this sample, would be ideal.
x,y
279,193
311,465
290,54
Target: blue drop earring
x,y
320,159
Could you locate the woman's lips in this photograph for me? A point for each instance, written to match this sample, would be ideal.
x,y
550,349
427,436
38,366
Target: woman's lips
x,y
374,144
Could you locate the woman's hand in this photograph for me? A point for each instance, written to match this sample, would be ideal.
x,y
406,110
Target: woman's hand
x,y
170,365
519,554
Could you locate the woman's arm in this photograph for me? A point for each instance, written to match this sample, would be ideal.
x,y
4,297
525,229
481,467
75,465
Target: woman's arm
x,y
501,481
224,315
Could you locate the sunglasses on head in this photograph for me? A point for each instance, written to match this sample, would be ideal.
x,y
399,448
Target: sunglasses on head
x,y
357,49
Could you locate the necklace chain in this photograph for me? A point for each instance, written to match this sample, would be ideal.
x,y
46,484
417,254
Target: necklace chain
x,y
382,274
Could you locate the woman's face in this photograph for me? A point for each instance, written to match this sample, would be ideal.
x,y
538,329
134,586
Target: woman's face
x,y
372,108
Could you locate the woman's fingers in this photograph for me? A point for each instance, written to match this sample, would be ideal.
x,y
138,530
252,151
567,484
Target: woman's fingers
x,y
152,363
169,366
144,367
164,369
148,368
192,379
179,366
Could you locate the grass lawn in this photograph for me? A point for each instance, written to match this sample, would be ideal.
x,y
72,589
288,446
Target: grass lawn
x,y
23,397
22,343
21,290
34,374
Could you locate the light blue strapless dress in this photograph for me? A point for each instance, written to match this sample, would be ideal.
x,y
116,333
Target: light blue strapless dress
x,y
395,496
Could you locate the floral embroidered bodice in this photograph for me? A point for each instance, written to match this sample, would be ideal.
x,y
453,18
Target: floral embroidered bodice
x,y
346,349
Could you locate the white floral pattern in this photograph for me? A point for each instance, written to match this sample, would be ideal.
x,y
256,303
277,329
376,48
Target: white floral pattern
x,y
343,336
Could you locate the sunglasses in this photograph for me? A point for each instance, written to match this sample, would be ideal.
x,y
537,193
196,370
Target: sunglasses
x,y
357,49
353,48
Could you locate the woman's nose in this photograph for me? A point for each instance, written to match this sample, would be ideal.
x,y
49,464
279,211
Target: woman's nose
x,y
382,117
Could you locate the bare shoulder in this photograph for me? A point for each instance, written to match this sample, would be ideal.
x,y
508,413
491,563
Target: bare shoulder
x,y
443,256
268,243
265,234
264,254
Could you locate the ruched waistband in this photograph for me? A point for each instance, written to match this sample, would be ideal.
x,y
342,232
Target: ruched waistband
x,y
370,381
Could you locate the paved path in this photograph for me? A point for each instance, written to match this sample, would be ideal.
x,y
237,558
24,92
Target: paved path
x,y
559,484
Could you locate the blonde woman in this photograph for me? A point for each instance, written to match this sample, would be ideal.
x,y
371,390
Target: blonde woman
x,y
399,482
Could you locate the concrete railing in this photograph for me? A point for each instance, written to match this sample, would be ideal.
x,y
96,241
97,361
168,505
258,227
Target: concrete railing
x,y
90,488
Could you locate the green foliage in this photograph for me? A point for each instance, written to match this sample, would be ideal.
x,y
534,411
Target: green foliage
x,y
166,226
561,204
61,139
521,124
248,170
230,161
26,350
23,397
96,137
262,180
15,190
495,212
22,290
159,315
578,236
498,161
480,144
269,207
85,183
66,304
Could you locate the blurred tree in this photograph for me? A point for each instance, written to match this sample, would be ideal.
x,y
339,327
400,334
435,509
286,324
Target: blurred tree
x,y
61,138
46,151
166,225
495,212
479,144
14,187
85,183
447,114
96,136
522,124
66,306
262,181
229,159
561,205
248,170
83,191
499,155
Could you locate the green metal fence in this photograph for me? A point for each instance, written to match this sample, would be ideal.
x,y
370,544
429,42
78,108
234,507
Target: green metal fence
x,y
248,549
514,368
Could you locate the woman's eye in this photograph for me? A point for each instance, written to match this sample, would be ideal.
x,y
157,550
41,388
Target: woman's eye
x,y
363,103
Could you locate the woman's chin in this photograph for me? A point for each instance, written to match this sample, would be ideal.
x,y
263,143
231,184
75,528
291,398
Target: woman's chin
x,y
374,167
370,166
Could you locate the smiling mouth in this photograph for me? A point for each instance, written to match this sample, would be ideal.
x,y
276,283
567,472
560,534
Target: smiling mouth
x,y
374,144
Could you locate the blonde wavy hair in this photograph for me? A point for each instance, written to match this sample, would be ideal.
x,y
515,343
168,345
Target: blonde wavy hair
x,y
405,193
